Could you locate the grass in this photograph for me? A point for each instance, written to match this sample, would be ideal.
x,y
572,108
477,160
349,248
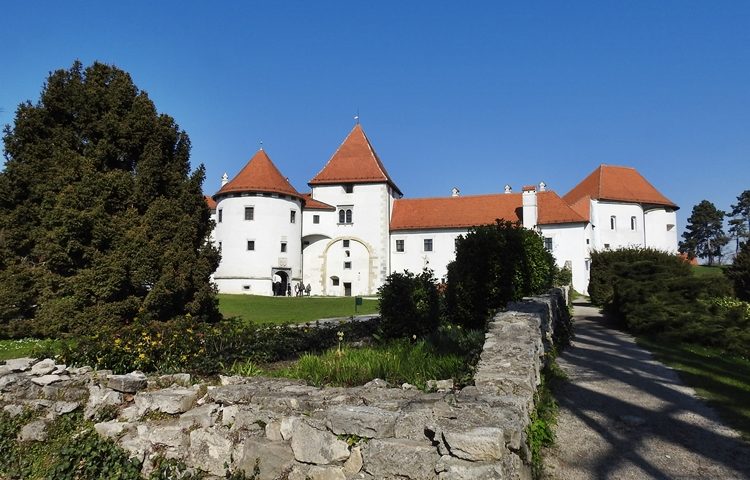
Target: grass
x,y
723,380
260,309
18,348
397,362
706,271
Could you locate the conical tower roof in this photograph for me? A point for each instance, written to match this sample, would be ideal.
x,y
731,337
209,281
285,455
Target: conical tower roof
x,y
355,161
259,175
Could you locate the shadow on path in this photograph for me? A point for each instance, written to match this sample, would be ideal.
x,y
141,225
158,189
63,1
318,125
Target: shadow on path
x,y
623,415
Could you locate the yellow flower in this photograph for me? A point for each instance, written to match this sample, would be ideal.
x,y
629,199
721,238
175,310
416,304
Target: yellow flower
x,y
118,341
142,356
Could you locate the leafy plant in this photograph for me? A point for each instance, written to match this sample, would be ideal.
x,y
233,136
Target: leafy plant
x,y
409,304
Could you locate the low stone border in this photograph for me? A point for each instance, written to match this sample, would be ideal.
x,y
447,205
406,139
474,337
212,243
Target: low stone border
x,y
294,431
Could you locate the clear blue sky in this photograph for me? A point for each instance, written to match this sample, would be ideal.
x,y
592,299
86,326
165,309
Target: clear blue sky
x,y
466,94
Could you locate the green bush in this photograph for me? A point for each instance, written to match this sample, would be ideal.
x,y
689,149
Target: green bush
x,y
605,269
739,273
495,264
409,304
563,277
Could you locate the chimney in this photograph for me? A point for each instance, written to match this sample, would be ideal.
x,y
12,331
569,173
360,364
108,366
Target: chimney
x,y
508,189
529,206
542,187
455,192
224,179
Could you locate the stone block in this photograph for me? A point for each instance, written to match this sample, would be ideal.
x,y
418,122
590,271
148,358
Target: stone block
x,y
167,400
112,428
400,458
35,431
45,380
204,416
478,444
209,450
326,473
320,447
130,383
100,397
20,364
43,367
273,459
353,464
451,468
363,421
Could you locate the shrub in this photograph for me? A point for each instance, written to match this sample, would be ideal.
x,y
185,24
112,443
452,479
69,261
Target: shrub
x,y
495,264
563,277
739,273
409,304
604,268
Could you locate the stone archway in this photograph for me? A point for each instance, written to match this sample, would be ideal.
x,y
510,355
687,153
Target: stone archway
x,y
280,281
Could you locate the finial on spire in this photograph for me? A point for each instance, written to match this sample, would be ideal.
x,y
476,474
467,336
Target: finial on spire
x,y
224,179
261,144
356,117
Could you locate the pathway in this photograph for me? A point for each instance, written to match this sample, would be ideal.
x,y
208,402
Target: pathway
x,y
625,416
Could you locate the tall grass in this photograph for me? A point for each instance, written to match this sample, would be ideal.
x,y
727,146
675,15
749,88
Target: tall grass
x,y
398,361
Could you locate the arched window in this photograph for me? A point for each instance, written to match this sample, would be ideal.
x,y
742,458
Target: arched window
x,y
341,216
348,216
612,223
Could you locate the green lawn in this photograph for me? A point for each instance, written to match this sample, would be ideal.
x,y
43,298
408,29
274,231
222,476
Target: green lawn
x,y
723,380
706,271
17,348
260,309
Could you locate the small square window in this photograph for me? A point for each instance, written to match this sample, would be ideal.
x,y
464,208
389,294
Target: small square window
x,y
346,243
335,281
249,213
606,246
283,247
427,244
316,218
348,265
251,244
292,217
221,215
399,245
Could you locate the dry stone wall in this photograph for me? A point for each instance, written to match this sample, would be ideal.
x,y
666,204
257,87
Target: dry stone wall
x,y
289,430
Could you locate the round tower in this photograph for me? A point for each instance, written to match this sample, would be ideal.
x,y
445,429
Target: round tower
x,y
259,231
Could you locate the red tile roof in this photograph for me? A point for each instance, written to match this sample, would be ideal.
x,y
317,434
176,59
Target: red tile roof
x,y
355,161
259,175
622,184
210,202
583,207
469,211
312,204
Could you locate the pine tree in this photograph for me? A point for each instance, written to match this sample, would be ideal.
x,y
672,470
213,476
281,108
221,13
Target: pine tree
x,y
704,234
739,273
739,226
101,219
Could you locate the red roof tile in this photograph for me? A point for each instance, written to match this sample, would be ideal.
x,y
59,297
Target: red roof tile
x,y
210,202
469,211
622,184
259,175
355,161
312,204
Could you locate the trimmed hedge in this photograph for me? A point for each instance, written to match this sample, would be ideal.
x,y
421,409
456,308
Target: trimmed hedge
x,y
409,304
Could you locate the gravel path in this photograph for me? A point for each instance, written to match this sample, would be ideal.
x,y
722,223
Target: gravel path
x,y
625,416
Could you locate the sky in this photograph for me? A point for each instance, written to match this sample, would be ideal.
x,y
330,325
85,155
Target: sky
x,y
474,95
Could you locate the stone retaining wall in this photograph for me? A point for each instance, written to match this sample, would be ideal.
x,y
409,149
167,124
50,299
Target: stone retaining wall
x,y
290,430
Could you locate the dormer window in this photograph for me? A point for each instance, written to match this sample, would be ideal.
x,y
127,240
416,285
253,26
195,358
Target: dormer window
x,y
348,188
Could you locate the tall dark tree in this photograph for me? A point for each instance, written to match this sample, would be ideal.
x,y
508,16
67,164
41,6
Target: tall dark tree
x,y
739,232
739,273
704,234
739,226
742,208
101,219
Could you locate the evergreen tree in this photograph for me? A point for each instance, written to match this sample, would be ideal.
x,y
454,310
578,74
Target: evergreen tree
x,y
739,227
742,208
739,273
738,231
704,234
101,219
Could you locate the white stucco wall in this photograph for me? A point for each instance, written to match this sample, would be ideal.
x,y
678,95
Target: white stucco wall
x,y
414,258
244,271
371,206
655,228
569,245
661,229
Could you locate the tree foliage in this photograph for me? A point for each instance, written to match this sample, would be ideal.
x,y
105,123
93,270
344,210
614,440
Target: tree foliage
x,y
494,265
739,226
409,304
704,234
739,273
101,219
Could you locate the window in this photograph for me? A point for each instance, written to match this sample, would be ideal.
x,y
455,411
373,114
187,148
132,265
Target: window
x,y
292,217
221,215
612,223
348,253
348,216
427,244
632,223
316,218
251,244
348,188
348,265
346,243
588,241
399,245
249,213
606,246
548,243
345,214
335,281
342,216
283,247
219,246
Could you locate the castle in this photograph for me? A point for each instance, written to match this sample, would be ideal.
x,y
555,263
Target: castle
x,y
354,228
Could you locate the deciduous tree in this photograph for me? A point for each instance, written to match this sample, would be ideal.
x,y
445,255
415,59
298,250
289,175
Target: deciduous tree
x,y
704,234
101,218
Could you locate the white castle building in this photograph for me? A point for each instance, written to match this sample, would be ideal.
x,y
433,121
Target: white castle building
x,y
354,228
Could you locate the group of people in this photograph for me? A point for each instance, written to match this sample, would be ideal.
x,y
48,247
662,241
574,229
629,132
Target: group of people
x,y
300,289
